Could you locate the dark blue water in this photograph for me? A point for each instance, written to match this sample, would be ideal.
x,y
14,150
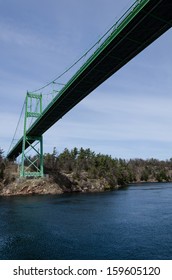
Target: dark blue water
x,y
131,223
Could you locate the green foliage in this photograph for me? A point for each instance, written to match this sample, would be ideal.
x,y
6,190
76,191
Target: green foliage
x,y
2,164
1,154
99,166
144,175
162,176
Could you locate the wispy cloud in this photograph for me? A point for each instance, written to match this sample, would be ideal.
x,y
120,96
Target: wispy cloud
x,y
8,122
10,34
128,116
23,37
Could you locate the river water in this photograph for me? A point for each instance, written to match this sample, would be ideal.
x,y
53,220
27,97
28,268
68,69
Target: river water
x,y
131,223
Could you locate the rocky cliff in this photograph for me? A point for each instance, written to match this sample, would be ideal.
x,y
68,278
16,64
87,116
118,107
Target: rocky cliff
x,y
60,183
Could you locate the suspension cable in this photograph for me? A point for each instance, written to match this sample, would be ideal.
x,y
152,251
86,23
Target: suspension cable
x,y
109,31
114,26
17,125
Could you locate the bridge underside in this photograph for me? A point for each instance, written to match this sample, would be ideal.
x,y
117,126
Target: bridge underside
x,y
139,29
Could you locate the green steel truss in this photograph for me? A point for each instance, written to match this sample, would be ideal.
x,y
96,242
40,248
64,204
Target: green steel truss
x,y
32,166
141,24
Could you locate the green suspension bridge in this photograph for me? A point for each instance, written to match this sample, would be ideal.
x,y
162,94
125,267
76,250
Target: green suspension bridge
x,y
141,24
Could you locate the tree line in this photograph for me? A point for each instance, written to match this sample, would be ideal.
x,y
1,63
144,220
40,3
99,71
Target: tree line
x,y
2,164
116,171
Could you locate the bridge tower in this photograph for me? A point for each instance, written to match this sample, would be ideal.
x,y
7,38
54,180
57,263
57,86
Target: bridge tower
x,y
32,167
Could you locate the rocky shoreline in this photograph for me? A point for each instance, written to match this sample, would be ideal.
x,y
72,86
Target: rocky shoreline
x,y
62,183
82,171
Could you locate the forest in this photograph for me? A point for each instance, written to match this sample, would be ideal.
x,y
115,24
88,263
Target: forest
x,y
116,170
84,162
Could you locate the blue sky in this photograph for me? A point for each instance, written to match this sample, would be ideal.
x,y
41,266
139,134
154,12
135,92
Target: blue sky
x,y
128,116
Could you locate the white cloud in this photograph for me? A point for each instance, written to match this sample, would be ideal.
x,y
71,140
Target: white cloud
x,y
122,125
10,34
130,113
8,123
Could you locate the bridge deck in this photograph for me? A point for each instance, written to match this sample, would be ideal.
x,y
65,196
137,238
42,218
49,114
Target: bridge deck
x,y
148,21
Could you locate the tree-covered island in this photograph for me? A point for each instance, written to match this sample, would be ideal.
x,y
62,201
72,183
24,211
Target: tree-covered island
x,y
82,170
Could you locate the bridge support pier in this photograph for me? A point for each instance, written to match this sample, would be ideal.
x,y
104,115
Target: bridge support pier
x,y
35,162
32,166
